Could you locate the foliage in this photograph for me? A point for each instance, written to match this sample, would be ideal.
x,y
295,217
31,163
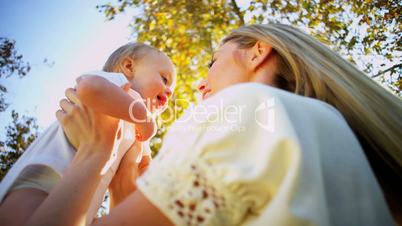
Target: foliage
x,y
20,134
367,32
22,130
187,31
11,63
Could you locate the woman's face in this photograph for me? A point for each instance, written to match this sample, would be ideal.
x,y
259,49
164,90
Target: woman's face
x,y
227,68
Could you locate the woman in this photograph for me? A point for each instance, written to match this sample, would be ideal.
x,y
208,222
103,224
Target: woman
x,y
282,156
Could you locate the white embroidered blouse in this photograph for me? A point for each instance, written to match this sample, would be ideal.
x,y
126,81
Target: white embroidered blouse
x,y
256,155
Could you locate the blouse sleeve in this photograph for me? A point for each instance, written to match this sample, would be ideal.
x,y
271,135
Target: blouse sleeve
x,y
225,160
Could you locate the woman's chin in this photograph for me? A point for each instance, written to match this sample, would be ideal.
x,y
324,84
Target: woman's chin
x,y
159,109
206,95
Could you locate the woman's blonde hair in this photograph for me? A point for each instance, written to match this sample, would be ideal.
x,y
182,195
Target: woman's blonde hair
x,y
133,50
309,68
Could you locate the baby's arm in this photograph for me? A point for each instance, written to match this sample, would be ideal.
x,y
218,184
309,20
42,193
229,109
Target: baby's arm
x,y
104,96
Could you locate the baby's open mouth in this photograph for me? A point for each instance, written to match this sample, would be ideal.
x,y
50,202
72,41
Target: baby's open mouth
x,y
161,100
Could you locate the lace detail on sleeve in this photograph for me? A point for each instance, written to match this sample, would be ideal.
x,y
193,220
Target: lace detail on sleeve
x,y
199,203
193,199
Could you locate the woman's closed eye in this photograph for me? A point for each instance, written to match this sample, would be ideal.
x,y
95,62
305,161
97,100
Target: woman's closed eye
x,y
211,63
165,80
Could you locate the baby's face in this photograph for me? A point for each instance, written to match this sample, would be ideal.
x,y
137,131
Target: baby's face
x,y
154,78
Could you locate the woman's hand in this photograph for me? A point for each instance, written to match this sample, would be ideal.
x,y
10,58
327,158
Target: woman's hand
x,y
71,132
94,134
85,127
124,181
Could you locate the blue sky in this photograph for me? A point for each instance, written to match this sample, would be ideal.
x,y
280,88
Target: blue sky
x,y
71,33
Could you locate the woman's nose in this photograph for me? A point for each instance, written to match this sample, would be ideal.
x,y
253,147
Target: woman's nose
x,y
202,85
168,91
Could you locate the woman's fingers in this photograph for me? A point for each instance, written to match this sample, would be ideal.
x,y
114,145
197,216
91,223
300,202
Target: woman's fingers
x,y
102,126
72,110
60,115
71,94
66,106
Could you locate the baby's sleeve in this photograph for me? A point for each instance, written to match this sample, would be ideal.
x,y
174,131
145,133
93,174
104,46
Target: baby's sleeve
x,y
226,167
116,78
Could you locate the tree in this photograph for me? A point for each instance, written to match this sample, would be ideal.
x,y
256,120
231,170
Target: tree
x,y
21,132
368,33
189,30
11,63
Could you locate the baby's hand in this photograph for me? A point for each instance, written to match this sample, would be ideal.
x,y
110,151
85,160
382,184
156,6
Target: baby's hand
x,y
145,131
145,126
126,87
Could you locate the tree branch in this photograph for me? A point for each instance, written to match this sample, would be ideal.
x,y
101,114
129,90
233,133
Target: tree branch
x,y
238,12
389,69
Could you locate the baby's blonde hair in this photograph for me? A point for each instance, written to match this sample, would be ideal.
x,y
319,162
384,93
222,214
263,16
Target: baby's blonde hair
x,y
134,50
309,68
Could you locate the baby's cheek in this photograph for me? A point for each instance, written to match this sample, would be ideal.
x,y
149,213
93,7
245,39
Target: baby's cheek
x,y
150,91
159,88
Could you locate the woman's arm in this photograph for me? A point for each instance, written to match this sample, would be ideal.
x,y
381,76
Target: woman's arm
x,y
28,191
135,210
124,181
68,202
19,206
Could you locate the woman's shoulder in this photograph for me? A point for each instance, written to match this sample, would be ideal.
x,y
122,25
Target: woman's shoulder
x,y
257,94
250,89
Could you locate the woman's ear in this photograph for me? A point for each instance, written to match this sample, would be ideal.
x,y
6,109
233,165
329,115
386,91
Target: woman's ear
x,y
127,67
259,54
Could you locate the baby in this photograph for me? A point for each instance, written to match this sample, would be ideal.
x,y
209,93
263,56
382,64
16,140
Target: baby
x,y
132,72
